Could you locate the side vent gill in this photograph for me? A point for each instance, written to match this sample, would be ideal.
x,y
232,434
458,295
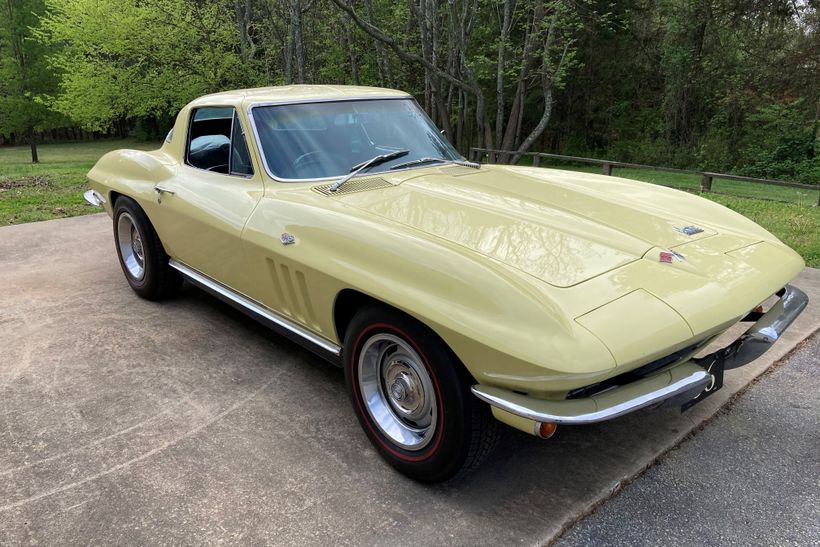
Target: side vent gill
x,y
354,185
290,289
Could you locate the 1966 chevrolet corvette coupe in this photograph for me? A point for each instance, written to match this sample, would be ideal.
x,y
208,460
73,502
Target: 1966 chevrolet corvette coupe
x,y
453,295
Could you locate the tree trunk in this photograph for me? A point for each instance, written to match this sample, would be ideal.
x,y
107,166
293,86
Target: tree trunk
x,y
296,23
32,139
814,131
499,73
243,14
402,53
539,129
351,50
528,58
382,61
547,84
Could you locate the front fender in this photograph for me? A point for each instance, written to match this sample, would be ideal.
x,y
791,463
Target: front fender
x,y
493,317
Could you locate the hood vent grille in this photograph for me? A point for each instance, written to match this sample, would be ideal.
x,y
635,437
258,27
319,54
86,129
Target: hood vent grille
x,y
354,185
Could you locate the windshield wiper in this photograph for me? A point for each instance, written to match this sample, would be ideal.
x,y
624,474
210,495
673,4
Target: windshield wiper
x,y
372,162
436,160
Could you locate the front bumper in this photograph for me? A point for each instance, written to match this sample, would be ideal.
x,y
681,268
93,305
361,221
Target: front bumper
x,y
671,386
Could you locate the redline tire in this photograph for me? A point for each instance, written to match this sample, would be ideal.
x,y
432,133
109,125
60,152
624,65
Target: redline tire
x,y
430,430
140,252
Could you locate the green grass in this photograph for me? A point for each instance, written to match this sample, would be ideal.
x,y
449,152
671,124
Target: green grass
x,y
54,187
798,226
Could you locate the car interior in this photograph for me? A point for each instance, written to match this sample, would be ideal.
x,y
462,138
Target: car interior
x,y
212,147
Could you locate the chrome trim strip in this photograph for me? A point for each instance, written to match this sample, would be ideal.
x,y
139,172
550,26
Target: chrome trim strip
x,y
766,331
246,304
307,101
94,198
694,383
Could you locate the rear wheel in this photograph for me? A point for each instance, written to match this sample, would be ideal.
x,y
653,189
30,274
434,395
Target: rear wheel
x,y
142,258
412,397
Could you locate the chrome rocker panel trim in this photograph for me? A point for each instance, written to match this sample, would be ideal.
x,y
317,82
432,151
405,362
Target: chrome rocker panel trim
x,y
300,335
672,386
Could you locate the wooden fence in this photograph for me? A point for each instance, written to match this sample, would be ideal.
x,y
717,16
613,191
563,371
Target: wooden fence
x,y
607,166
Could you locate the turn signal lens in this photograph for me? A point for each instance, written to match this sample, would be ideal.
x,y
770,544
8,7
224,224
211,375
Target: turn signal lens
x,y
545,430
759,309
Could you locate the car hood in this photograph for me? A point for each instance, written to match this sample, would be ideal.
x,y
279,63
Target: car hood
x,y
561,227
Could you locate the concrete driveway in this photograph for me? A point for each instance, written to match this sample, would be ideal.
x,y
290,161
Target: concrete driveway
x,y
185,422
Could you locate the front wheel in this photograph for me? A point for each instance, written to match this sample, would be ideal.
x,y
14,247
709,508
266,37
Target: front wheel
x,y
412,397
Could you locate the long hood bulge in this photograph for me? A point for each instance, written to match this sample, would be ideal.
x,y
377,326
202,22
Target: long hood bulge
x,y
557,233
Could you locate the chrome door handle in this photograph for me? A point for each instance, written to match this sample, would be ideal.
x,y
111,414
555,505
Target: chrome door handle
x,y
160,190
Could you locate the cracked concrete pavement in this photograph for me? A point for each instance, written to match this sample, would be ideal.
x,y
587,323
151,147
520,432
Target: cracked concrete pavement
x,y
134,422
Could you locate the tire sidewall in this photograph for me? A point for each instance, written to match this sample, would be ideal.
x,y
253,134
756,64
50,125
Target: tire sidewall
x,y
446,452
126,205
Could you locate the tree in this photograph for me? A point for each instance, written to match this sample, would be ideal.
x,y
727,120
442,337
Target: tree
x,y
677,82
124,59
25,78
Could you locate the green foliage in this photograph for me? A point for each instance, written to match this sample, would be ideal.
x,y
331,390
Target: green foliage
x,y
721,85
132,58
781,144
774,141
24,75
687,83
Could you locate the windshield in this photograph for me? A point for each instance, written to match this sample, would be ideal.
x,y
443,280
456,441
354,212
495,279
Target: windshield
x,y
318,140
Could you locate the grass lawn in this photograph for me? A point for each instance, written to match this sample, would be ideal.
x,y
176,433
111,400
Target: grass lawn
x,y
54,188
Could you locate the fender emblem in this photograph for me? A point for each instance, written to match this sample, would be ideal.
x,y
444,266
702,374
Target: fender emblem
x,y
287,239
689,230
668,257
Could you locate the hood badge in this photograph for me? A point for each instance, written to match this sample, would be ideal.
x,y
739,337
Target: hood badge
x,y
667,257
689,230
287,239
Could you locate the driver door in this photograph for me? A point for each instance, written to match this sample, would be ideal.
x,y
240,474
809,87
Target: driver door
x,y
204,207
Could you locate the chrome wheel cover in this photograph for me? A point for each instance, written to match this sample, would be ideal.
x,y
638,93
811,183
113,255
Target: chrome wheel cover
x,y
397,391
132,250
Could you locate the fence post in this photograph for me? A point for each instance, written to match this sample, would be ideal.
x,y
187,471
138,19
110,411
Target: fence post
x,y
706,183
536,160
607,169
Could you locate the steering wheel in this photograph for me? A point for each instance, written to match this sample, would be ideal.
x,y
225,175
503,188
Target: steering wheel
x,y
312,158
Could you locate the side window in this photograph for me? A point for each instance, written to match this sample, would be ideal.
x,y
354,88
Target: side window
x,y
209,139
240,160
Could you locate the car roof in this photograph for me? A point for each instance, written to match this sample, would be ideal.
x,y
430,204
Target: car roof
x,y
295,93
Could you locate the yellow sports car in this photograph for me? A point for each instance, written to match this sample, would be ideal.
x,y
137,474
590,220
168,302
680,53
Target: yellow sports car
x,y
454,295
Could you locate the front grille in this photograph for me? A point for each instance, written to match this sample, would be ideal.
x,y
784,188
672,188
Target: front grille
x,y
632,375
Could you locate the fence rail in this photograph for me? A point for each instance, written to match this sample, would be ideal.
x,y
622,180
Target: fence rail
x,y
607,166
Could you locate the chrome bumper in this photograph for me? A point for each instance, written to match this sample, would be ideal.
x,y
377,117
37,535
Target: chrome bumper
x,y
94,198
672,386
766,331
